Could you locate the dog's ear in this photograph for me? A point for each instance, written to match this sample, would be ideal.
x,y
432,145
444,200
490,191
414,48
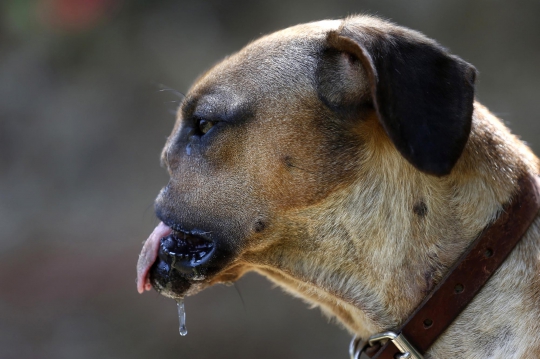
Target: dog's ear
x,y
423,95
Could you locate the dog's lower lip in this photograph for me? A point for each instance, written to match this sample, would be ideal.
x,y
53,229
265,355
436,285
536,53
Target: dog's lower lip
x,y
186,249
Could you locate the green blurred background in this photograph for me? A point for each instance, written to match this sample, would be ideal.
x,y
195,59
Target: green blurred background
x,y
82,123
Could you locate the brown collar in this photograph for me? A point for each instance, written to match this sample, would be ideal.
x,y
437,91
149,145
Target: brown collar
x,y
462,282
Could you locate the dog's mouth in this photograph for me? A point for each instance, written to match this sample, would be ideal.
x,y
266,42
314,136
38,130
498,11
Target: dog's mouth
x,y
185,250
172,259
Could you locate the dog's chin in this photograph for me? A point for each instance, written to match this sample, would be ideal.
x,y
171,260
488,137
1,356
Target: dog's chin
x,y
176,287
174,284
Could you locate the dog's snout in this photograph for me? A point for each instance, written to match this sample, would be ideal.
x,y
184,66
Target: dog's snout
x,y
161,197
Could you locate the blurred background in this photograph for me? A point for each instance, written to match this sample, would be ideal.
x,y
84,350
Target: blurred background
x,y
82,123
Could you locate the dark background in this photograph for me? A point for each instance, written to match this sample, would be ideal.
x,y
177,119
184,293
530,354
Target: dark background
x,y
82,124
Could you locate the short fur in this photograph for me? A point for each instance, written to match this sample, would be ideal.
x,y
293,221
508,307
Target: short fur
x,y
350,164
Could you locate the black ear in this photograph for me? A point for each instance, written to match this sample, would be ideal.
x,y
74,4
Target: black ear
x,y
423,95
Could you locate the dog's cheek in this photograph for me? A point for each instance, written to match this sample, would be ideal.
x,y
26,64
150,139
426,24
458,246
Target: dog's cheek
x,y
224,154
302,158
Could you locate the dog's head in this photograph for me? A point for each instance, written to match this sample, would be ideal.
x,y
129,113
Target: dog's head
x,y
275,130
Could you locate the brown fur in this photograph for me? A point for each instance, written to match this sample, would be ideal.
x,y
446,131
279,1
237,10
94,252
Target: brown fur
x,y
330,210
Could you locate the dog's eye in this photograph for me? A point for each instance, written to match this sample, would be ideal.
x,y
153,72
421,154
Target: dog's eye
x,y
204,126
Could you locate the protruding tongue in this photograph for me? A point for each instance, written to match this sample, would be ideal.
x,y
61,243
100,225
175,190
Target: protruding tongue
x,y
149,255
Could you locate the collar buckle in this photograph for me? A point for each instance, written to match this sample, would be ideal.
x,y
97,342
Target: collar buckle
x,y
406,349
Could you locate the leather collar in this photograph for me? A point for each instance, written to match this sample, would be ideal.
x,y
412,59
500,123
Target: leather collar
x,y
459,286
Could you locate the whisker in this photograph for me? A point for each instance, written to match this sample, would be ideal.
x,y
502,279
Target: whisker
x,y
163,88
146,212
240,295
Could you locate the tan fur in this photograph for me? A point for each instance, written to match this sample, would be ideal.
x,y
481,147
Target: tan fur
x,y
342,229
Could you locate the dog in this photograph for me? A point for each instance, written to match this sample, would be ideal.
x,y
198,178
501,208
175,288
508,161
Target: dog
x,y
349,162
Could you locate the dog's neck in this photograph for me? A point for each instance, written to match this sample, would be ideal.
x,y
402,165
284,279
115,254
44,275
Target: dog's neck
x,y
399,231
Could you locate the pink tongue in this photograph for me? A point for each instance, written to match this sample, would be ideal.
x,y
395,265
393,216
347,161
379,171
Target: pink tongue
x,y
149,255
